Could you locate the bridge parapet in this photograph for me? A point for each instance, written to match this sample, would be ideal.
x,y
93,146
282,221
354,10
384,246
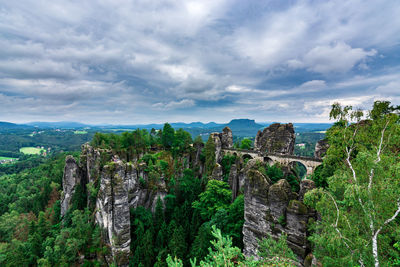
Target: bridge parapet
x,y
273,154
309,162
292,157
241,150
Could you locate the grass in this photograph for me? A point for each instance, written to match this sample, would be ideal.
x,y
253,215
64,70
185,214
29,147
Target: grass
x,y
80,132
31,150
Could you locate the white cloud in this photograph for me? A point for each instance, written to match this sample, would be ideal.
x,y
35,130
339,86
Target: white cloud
x,y
339,57
314,85
391,88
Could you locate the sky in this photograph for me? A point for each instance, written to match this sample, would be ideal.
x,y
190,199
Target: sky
x,y
145,61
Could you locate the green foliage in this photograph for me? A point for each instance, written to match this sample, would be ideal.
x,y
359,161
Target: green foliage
x,y
274,173
223,254
246,144
360,204
226,164
182,142
216,196
40,238
168,136
293,181
274,252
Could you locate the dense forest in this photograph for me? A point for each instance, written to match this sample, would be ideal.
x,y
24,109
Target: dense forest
x,y
199,223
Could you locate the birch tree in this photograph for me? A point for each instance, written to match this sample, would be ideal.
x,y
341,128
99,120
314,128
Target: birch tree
x,y
360,207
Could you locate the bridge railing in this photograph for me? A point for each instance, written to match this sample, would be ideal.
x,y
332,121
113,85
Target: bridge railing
x,y
292,157
241,150
273,154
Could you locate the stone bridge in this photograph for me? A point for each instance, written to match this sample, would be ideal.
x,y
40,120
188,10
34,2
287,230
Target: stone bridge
x,y
309,162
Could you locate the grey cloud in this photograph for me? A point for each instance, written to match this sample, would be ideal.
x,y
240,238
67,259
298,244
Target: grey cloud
x,y
110,58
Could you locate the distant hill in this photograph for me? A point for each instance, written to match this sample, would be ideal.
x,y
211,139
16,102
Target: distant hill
x,y
239,127
59,124
244,123
10,126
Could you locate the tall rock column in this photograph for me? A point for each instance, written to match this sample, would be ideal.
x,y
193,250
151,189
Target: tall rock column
x,y
256,225
271,210
72,177
320,148
218,146
112,210
276,138
226,138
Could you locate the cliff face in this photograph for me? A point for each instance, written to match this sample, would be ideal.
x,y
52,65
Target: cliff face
x,y
222,140
72,178
112,208
320,148
112,187
276,138
273,209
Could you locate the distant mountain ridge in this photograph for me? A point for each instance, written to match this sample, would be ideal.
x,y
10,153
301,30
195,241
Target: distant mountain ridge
x,y
9,126
239,127
58,124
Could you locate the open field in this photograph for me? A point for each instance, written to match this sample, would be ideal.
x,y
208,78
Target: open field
x,y
80,132
6,158
31,150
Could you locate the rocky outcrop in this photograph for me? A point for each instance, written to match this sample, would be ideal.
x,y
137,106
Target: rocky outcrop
x,y
256,209
233,180
197,163
118,189
71,179
305,186
320,148
226,138
217,173
221,141
218,146
273,209
276,138
112,209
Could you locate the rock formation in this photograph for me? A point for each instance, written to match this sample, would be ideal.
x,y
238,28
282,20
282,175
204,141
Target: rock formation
x,y
112,209
226,138
273,209
276,138
217,173
72,178
320,148
222,140
218,146
119,189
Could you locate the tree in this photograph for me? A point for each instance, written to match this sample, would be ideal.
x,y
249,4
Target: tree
x,y
246,143
216,196
177,243
276,252
360,206
182,141
168,136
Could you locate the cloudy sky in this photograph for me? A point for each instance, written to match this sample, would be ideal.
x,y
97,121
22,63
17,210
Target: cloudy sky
x,y
120,61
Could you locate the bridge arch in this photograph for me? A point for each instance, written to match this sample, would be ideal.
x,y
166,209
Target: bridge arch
x,y
299,168
247,156
309,165
268,161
